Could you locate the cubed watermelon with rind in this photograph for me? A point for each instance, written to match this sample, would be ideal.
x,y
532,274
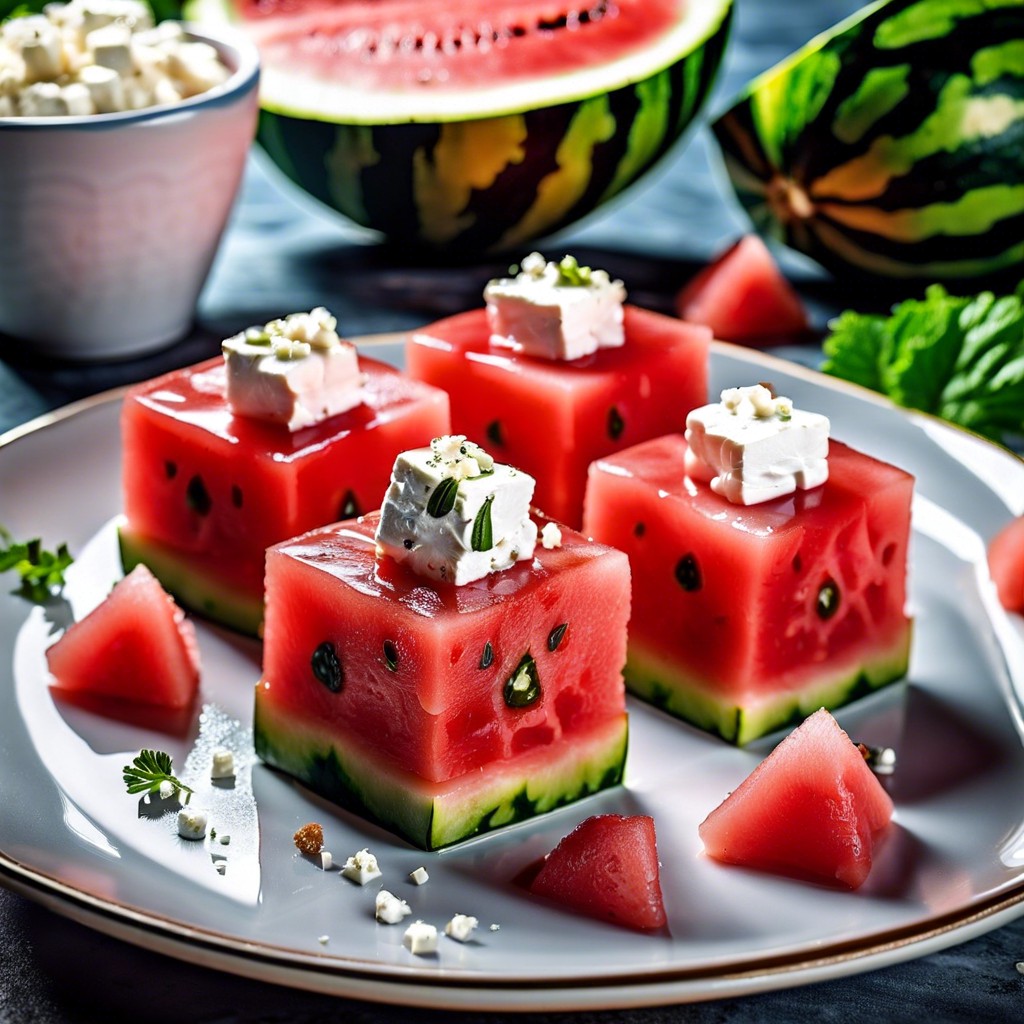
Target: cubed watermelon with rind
x,y
813,808
136,645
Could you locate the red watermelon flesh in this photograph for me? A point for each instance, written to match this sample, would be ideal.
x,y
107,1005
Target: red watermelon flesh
x,y
746,617
812,808
607,867
136,645
743,297
1006,564
552,419
211,491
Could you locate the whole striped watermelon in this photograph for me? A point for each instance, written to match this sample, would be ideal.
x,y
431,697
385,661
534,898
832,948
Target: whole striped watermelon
x,y
894,144
469,126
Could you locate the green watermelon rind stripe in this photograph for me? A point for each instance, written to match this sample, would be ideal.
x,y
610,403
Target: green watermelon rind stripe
x,y
662,683
194,588
436,815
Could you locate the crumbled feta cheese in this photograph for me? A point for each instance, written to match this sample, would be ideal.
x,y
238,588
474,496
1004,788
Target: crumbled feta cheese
x,y
222,764
389,909
326,860
106,50
752,447
555,310
419,876
361,867
192,823
420,938
461,927
295,371
167,789
551,536
323,939
495,927
457,517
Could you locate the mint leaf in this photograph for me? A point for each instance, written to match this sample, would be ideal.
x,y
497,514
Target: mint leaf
x,y
148,771
958,357
482,538
41,571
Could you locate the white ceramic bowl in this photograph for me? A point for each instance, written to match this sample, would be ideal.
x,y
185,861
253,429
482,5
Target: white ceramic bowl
x,y
109,223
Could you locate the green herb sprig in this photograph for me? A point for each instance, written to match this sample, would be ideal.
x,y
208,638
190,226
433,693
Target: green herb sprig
x,y
41,571
571,274
957,357
149,771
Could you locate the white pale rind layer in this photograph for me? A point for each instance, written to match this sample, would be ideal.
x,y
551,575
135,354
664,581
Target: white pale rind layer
x,y
441,548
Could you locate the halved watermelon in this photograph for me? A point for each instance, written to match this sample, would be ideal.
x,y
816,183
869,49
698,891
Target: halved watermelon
x,y
748,617
206,492
812,808
607,867
471,125
391,693
743,297
1006,564
552,419
136,645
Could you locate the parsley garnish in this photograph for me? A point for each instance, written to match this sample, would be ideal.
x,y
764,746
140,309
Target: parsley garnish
x,y
570,273
961,358
149,771
41,571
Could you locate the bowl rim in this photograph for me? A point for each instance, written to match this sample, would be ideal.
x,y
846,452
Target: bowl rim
x,y
237,51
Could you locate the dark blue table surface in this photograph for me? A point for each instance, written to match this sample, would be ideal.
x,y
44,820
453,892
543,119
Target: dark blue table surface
x,y
282,254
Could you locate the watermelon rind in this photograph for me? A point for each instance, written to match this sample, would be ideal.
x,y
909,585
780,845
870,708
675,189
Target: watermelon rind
x,y
487,168
893,144
193,583
700,703
435,815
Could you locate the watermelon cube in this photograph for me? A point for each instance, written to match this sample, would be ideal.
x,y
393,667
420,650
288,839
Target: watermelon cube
x,y
207,492
812,809
552,419
747,617
442,711
136,645
607,867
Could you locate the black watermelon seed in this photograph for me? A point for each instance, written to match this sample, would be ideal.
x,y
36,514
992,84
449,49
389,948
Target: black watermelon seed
x,y
555,636
349,506
197,496
236,495
639,530
327,668
688,573
616,424
828,599
391,655
495,434
522,688
170,469
487,658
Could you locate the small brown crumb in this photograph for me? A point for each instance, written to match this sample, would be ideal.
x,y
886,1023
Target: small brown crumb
x,y
310,838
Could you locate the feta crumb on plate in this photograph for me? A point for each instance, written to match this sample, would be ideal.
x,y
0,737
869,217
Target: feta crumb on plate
x,y
389,909
461,927
361,867
420,938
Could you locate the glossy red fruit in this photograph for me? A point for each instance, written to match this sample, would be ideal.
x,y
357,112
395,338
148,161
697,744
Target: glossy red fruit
x,y
1006,564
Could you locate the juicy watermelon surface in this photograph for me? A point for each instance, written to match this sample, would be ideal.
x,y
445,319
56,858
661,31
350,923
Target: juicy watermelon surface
x,y
747,617
608,868
553,419
812,808
206,492
367,665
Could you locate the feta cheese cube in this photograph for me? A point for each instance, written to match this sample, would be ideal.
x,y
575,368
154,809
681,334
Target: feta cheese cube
x,y
296,371
105,87
752,447
222,764
389,909
555,310
78,100
361,867
419,876
192,823
461,927
43,99
453,514
420,938
551,536
42,51
111,47
326,860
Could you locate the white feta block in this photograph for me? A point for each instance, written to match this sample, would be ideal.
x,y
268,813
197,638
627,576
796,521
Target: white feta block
x,y
752,447
419,876
555,310
192,823
361,867
326,860
461,927
195,67
78,100
389,909
43,99
420,938
453,514
106,88
296,371
222,764
42,51
111,47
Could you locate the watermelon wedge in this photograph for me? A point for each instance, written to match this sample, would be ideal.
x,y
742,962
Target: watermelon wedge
x,y
136,645
812,809
1006,564
607,867
743,297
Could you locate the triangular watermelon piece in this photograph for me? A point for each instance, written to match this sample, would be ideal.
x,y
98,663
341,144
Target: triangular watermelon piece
x,y
607,868
136,645
743,297
1006,564
812,809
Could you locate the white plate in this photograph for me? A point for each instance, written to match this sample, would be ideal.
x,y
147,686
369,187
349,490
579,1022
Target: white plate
x,y
953,867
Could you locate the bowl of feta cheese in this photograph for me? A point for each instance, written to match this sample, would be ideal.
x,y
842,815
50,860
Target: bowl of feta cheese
x,y
122,147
